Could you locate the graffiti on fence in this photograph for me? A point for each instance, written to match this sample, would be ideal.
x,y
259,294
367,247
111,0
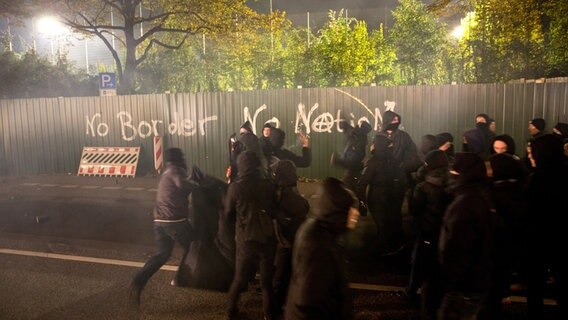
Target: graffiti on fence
x,y
311,120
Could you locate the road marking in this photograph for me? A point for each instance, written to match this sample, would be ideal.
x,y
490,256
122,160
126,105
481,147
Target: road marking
x,y
374,287
82,259
361,286
71,186
112,188
68,186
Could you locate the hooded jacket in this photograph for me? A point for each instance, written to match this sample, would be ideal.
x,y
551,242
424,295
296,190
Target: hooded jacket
x,y
466,238
404,151
277,138
293,209
251,201
319,288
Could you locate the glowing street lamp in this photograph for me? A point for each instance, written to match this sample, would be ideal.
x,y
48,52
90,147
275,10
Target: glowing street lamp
x,y
458,32
52,29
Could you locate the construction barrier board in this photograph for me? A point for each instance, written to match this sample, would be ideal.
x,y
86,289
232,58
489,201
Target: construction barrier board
x,y
109,161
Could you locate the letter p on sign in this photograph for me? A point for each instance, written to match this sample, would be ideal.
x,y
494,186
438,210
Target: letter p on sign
x,y
107,81
107,84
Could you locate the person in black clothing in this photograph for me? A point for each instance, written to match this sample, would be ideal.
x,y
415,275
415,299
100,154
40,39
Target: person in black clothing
x,y
251,204
478,140
319,287
546,203
445,142
429,202
277,138
406,161
170,220
466,241
246,140
293,210
265,140
507,190
377,187
354,152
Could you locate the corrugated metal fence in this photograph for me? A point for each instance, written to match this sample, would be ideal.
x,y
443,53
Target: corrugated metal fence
x,y
47,135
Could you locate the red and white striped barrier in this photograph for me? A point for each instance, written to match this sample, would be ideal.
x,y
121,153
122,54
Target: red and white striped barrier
x,y
101,161
158,154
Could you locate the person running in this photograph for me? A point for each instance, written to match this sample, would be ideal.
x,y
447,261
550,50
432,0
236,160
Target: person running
x,y
170,220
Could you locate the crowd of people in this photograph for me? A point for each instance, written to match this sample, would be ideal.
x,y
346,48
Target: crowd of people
x,y
480,216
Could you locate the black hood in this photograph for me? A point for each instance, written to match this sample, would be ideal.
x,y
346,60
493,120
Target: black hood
x,y
248,164
508,141
247,126
388,116
277,137
334,203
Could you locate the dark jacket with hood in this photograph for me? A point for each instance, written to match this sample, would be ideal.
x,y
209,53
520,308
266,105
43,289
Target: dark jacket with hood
x,y
319,287
404,151
356,146
174,187
466,238
251,201
377,180
277,138
293,209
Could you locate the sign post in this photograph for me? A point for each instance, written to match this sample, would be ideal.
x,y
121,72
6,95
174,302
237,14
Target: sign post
x,y
107,84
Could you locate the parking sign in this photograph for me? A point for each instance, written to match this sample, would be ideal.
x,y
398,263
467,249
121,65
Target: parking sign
x,y
107,83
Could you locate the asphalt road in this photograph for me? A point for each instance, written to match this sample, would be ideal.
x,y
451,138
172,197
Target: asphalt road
x,y
69,246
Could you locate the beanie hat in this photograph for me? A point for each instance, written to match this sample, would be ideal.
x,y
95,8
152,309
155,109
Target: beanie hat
x,y
561,128
284,172
268,125
435,159
247,126
174,155
538,123
504,167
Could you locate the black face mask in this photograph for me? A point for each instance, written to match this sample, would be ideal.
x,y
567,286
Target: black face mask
x,y
393,126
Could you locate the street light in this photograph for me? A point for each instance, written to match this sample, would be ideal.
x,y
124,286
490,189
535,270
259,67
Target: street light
x,y
458,32
52,29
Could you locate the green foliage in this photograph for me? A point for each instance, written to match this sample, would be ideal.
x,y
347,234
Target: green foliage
x,y
32,76
418,39
557,13
344,52
384,67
